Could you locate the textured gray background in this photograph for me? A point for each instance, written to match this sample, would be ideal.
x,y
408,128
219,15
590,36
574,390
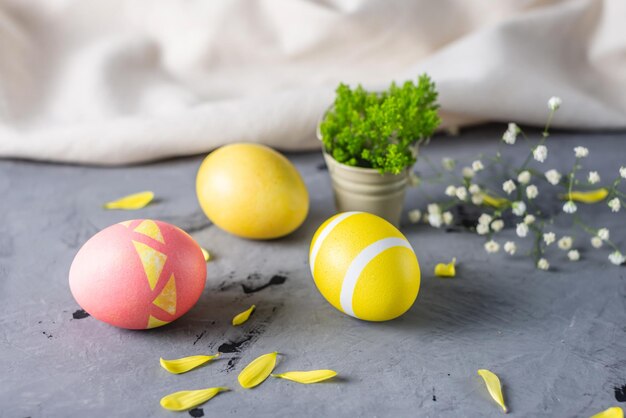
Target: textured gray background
x,y
556,339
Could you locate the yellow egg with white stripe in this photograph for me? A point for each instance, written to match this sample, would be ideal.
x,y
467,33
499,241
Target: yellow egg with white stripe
x,y
364,266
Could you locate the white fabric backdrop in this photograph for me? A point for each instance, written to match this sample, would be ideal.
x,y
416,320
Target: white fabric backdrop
x,y
112,81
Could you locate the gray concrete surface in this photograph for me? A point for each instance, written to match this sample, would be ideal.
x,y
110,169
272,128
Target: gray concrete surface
x,y
556,339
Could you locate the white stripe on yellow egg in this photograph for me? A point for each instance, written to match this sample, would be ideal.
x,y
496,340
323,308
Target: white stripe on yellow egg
x,y
360,262
323,233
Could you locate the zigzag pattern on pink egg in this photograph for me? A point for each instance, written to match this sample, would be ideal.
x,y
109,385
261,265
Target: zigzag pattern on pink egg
x,y
161,278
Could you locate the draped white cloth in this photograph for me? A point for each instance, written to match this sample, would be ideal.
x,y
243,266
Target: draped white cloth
x,y
124,81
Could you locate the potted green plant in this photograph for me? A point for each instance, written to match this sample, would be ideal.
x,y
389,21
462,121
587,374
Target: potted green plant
x,y
371,140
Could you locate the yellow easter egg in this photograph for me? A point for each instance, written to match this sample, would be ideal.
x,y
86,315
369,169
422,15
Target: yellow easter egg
x,y
252,191
364,266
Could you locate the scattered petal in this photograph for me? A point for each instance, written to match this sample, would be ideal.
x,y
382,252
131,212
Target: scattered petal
x,y
206,254
183,365
614,412
187,399
493,201
244,316
591,196
312,376
131,202
493,386
446,270
257,371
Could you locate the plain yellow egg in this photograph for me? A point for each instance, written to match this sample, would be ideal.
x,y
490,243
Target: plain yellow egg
x,y
252,191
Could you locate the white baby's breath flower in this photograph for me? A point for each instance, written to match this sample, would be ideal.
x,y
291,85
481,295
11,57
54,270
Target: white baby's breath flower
x,y
477,198
549,238
461,193
415,215
603,234
510,135
434,208
553,177
467,172
477,165
573,255
510,247
543,264
492,246
474,188
485,219
518,208
532,191
617,258
434,219
615,204
447,217
622,172
569,207
521,230
529,219
482,229
596,242
508,186
448,163
581,152
594,177
565,243
497,225
540,153
524,177
554,103
450,190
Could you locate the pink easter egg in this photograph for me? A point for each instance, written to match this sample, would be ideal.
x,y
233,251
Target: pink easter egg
x,y
138,274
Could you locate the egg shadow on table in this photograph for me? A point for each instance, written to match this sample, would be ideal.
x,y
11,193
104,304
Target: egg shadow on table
x,y
463,304
207,327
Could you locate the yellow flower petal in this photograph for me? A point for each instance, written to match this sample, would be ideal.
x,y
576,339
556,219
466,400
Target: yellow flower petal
x,y
493,386
311,376
257,371
206,254
493,201
591,196
187,399
131,202
614,412
446,270
243,317
185,364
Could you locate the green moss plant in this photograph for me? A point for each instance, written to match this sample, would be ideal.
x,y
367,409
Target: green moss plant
x,y
381,130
